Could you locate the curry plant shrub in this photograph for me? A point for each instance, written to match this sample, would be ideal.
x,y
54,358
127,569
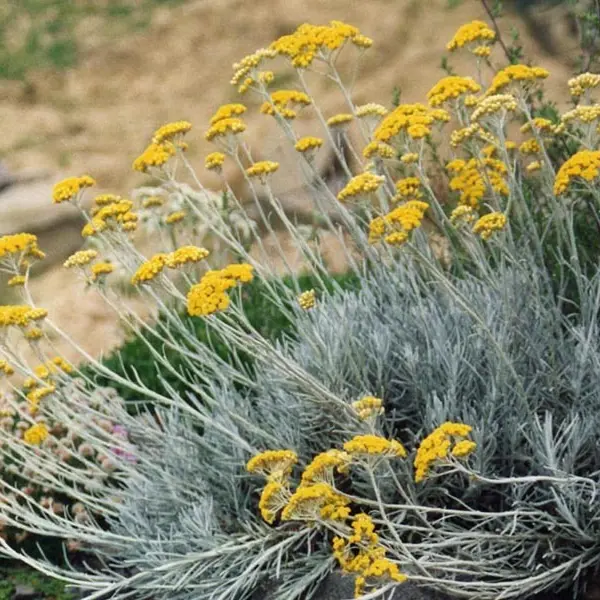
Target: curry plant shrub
x,y
437,423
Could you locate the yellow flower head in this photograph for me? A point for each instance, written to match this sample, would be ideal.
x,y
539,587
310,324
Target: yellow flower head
x,y
20,244
100,269
450,88
316,502
69,188
488,224
415,120
307,300
410,158
339,120
273,499
175,217
379,149
361,185
152,201
395,226
584,114
225,127
530,146
170,131
409,187
516,73
471,179
371,110
262,168
283,103
150,269
275,465
80,258
374,445
473,32
17,280
322,467
368,407
462,214
308,144
586,81
20,315
583,165
245,71
186,255
493,105
214,161
228,111
36,434
154,156
106,199
5,368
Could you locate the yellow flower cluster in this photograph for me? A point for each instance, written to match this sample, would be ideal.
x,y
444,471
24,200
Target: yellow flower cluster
x,y
262,168
534,166
409,158
374,445
275,465
395,226
368,407
214,161
409,187
308,143
362,555
414,119
118,213
170,131
148,270
315,502
379,149
307,300
458,136
69,188
371,109
245,70
20,315
539,124
586,81
582,165
35,396
310,41
488,224
360,185
152,201
321,469
106,199
6,368
515,73
209,295
17,280
225,127
228,111
46,370
339,120
530,146
274,497
450,88
100,269
585,114
36,434
175,217
491,105
20,243
154,156
438,443
469,180
469,33
283,102
462,214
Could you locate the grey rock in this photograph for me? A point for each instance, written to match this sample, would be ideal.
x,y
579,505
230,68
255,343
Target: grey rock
x,y
26,592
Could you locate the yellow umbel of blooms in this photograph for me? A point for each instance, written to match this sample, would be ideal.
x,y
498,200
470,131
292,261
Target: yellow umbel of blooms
x,y
169,131
582,165
273,499
409,187
175,217
245,69
262,168
20,315
371,109
308,143
150,269
228,111
379,149
436,446
275,465
539,124
186,255
518,74
585,114
302,46
471,179
413,119
487,225
580,84
100,269
462,214
209,295
492,105
20,243
106,199
450,88
281,101
69,188
322,467
360,185
17,280
410,158
530,146
368,407
339,120
5,368
36,434
395,226
154,156
214,161
224,127
307,300
316,502
469,33
80,258
374,445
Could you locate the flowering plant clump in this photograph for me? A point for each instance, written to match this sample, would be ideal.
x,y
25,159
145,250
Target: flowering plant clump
x,y
437,425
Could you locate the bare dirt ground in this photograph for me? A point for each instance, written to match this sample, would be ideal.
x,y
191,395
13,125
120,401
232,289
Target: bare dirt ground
x,y
97,117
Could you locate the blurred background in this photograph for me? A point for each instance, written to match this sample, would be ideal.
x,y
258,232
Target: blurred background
x,y
83,83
